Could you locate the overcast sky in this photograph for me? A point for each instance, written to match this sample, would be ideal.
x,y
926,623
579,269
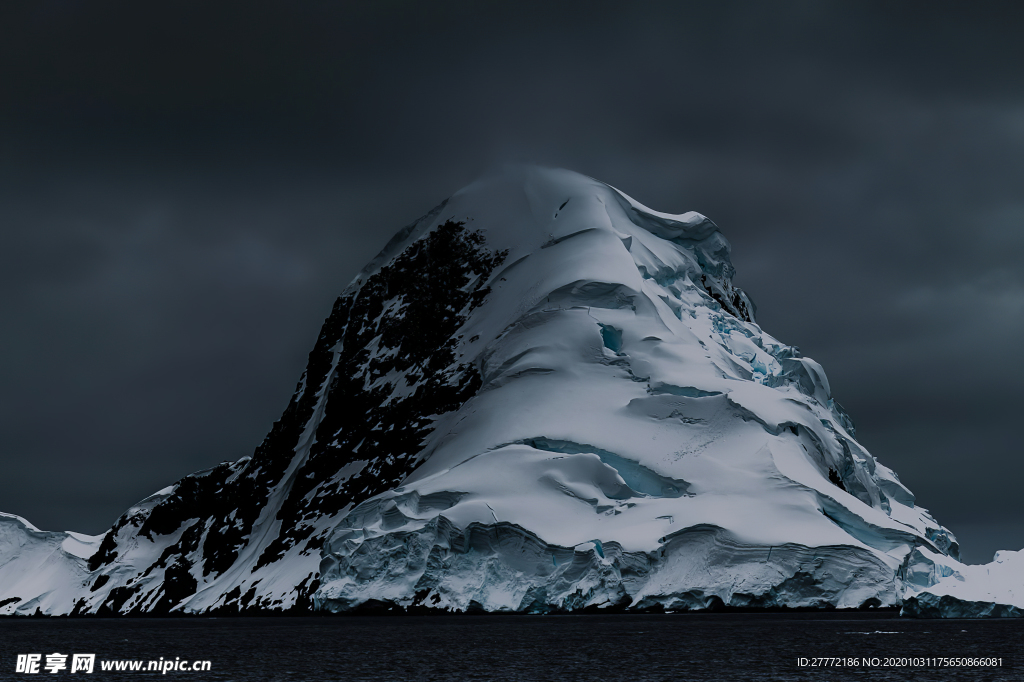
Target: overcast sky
x,y
184,191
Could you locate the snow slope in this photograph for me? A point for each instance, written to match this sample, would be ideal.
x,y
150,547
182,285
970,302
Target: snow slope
x,y
937,586
40,569
637,438
540,396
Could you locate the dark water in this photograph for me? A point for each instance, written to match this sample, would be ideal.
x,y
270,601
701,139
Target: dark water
x,y
633,648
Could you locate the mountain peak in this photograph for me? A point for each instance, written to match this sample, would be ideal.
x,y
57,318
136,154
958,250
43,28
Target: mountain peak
x,y
541,396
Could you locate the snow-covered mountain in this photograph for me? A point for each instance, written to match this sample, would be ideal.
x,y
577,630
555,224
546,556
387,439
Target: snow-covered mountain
x,y
540,396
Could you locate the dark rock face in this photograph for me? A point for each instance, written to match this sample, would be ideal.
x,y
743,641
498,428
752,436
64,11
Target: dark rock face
x,y
415,307
385,364
732,299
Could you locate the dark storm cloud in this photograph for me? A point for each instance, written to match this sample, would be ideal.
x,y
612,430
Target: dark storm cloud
x,y
183,191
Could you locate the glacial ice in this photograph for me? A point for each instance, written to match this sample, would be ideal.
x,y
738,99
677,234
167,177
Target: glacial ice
x,y
606,426
939,587
618,347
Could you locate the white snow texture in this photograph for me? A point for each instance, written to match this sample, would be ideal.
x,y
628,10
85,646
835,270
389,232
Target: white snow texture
x,y
637,442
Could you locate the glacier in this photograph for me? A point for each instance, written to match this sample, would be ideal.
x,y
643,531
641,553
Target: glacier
x,y
541,397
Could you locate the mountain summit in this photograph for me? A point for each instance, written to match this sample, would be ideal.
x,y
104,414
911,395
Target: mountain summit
x,y
541,396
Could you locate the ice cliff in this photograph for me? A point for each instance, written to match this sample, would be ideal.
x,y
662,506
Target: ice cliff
x,y
541,396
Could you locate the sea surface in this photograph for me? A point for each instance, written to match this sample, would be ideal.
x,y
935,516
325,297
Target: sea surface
x,y
630,648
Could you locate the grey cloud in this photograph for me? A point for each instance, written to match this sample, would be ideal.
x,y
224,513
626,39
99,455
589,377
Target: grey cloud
x,y
181,200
